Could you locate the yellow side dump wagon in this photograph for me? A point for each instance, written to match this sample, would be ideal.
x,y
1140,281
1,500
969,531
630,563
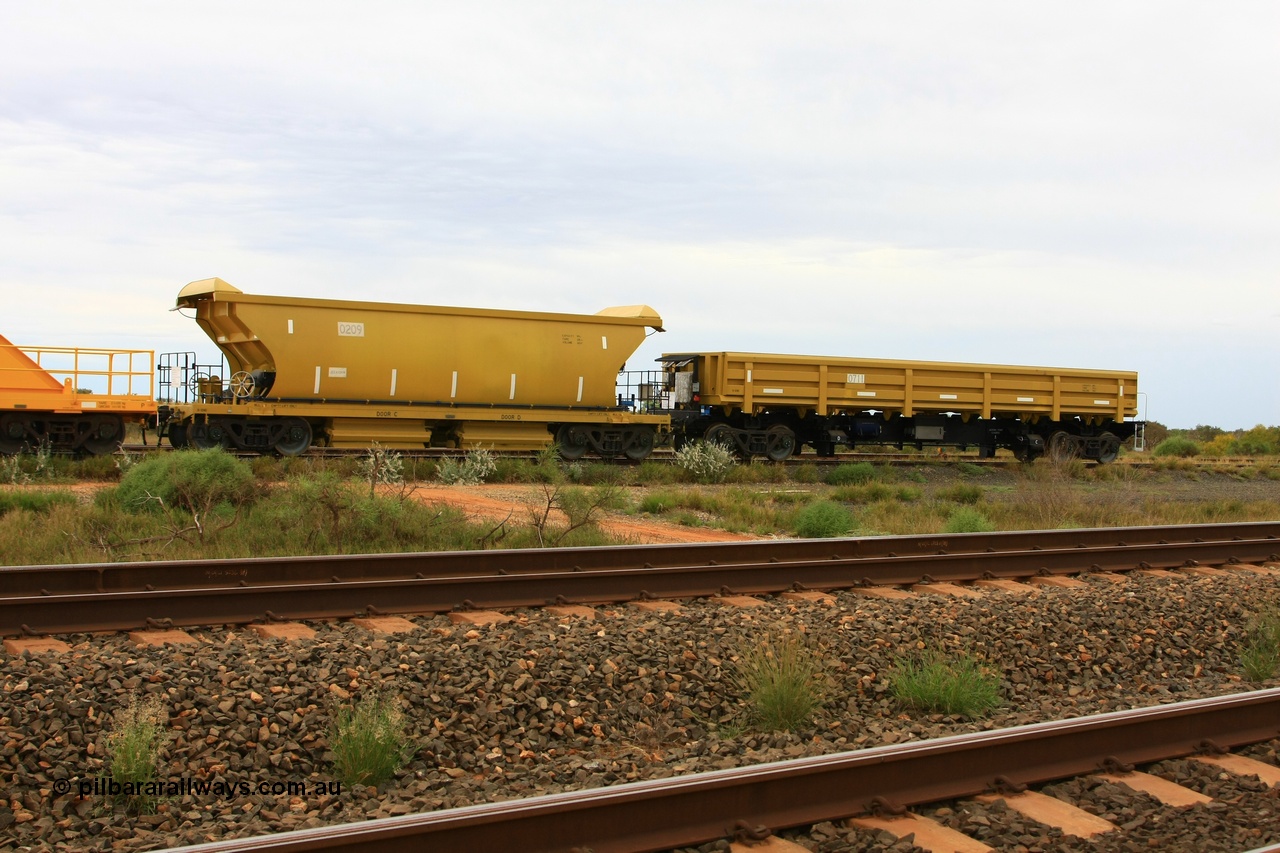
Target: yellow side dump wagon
x,y
73,399
822,401
348,373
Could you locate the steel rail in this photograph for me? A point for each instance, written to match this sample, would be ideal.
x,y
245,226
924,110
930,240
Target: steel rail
x,y
684,811
104,577
489,588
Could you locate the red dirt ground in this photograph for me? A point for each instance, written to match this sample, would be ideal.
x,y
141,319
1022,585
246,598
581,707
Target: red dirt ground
x,y
497,502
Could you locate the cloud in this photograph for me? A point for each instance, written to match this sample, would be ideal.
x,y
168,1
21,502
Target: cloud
x,y
1088,185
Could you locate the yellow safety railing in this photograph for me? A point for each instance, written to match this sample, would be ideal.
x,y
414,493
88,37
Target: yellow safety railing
x,y
111,372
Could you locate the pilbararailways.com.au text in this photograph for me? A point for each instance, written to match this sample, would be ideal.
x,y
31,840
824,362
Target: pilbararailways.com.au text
x,y
196,788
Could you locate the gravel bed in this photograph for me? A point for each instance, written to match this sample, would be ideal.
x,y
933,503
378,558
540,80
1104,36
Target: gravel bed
x,y
544,704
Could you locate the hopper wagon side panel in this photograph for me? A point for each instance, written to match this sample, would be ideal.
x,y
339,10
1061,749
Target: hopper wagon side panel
x,y
326,349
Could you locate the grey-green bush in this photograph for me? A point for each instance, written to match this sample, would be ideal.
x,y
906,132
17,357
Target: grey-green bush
x,y
707,461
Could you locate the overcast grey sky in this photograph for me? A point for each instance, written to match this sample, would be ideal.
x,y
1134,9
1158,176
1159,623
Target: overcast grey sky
x,y
1076,185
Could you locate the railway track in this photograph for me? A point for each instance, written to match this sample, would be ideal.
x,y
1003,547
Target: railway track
x,y
756,801
103,597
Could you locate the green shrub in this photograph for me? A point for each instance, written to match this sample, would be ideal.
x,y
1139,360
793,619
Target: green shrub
x,y
650,472
937,683
968,520
188,480
1260,656
968,469
369,742
35,501
851,473
271,469
863,494
513,469
781,682
322,513
822,520
758,471
106,468
1176,446
658,502
134,743
806,472
962,493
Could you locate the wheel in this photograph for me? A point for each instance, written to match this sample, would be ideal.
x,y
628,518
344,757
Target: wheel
x,y
295,437
12,435
780,442
721,434
573,441
241,385
1110,448
105,434
1062,447
177,435
641,444
207,436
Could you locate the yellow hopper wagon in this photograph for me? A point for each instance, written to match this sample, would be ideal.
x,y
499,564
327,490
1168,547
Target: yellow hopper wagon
x,y
303,371
73,399
772,405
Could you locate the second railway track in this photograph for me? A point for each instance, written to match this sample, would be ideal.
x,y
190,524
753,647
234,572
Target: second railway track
x,y
68,599
756,801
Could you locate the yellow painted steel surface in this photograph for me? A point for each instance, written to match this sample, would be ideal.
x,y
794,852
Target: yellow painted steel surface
x,y
334,350
753,382
70,380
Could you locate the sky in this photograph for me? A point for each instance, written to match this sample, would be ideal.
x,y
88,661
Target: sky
x,y
1092,185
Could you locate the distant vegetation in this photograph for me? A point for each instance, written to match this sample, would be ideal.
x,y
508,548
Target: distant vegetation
x,y
1211,442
